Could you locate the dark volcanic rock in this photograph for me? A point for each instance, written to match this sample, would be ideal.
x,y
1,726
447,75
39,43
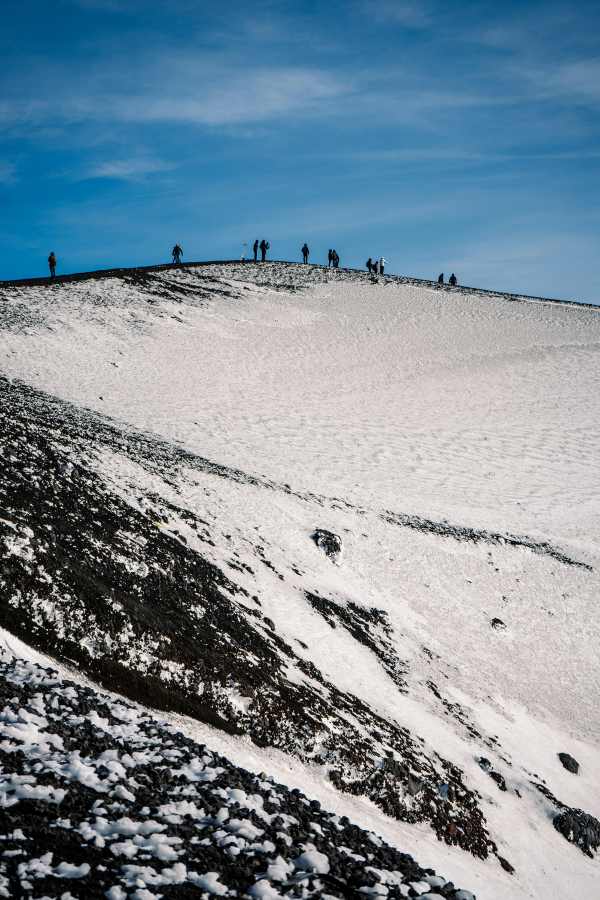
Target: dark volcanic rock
x,y
579,828
569,762
498,624
101,800
328,542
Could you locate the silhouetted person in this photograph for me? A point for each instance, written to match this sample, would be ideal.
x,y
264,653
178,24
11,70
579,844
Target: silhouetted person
x,y
305,252
376,267
264,246
255,248
452,280
382,265
369,265
441,278
177,254
335,259
329,258
52,264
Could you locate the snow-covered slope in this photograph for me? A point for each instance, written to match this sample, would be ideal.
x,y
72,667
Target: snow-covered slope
x,y
177,447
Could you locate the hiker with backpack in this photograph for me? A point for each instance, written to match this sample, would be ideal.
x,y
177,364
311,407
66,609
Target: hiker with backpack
x,y
452,280
264,246
369,265
441,278
305,252
335,259
177,253
52,264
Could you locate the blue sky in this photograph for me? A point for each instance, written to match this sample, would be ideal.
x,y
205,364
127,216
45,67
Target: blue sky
x,y
460,136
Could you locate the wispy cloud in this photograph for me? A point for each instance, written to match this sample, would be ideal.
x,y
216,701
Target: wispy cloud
x,y
449,154
410,13
252,96
180,89
579,80
128,169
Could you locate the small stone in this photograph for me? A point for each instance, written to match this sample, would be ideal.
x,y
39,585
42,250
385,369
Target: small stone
x,y
499,779
414,785
506,865
498,624
570,764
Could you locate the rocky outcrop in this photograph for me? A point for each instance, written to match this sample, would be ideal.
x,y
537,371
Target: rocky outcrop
x,y
579,828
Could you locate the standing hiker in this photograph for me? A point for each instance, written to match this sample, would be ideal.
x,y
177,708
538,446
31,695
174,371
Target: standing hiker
x,y
305,252
369,265
452,280
255,248
177,254
52,264
376,268
382,265
264,246
441,278
335,259
329,258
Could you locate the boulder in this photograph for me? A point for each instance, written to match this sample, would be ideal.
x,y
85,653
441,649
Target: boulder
x,y
498,624
579,828
569,762
328,542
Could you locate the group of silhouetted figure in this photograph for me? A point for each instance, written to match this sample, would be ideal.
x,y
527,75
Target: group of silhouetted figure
x,y
452,280
374,267
263,247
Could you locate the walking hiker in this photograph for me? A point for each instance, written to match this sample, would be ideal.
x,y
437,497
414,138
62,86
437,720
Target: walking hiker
x,y
369,265
255,248
441,278
177,254
52,264
382,265
329,258
305,252
264,246
452,280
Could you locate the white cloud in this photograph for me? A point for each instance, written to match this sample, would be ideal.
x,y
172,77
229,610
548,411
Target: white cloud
x,y
254,96
180,89
128,169
577,81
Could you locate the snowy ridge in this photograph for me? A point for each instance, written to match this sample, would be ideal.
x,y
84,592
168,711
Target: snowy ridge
x,y
173,441
235,264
